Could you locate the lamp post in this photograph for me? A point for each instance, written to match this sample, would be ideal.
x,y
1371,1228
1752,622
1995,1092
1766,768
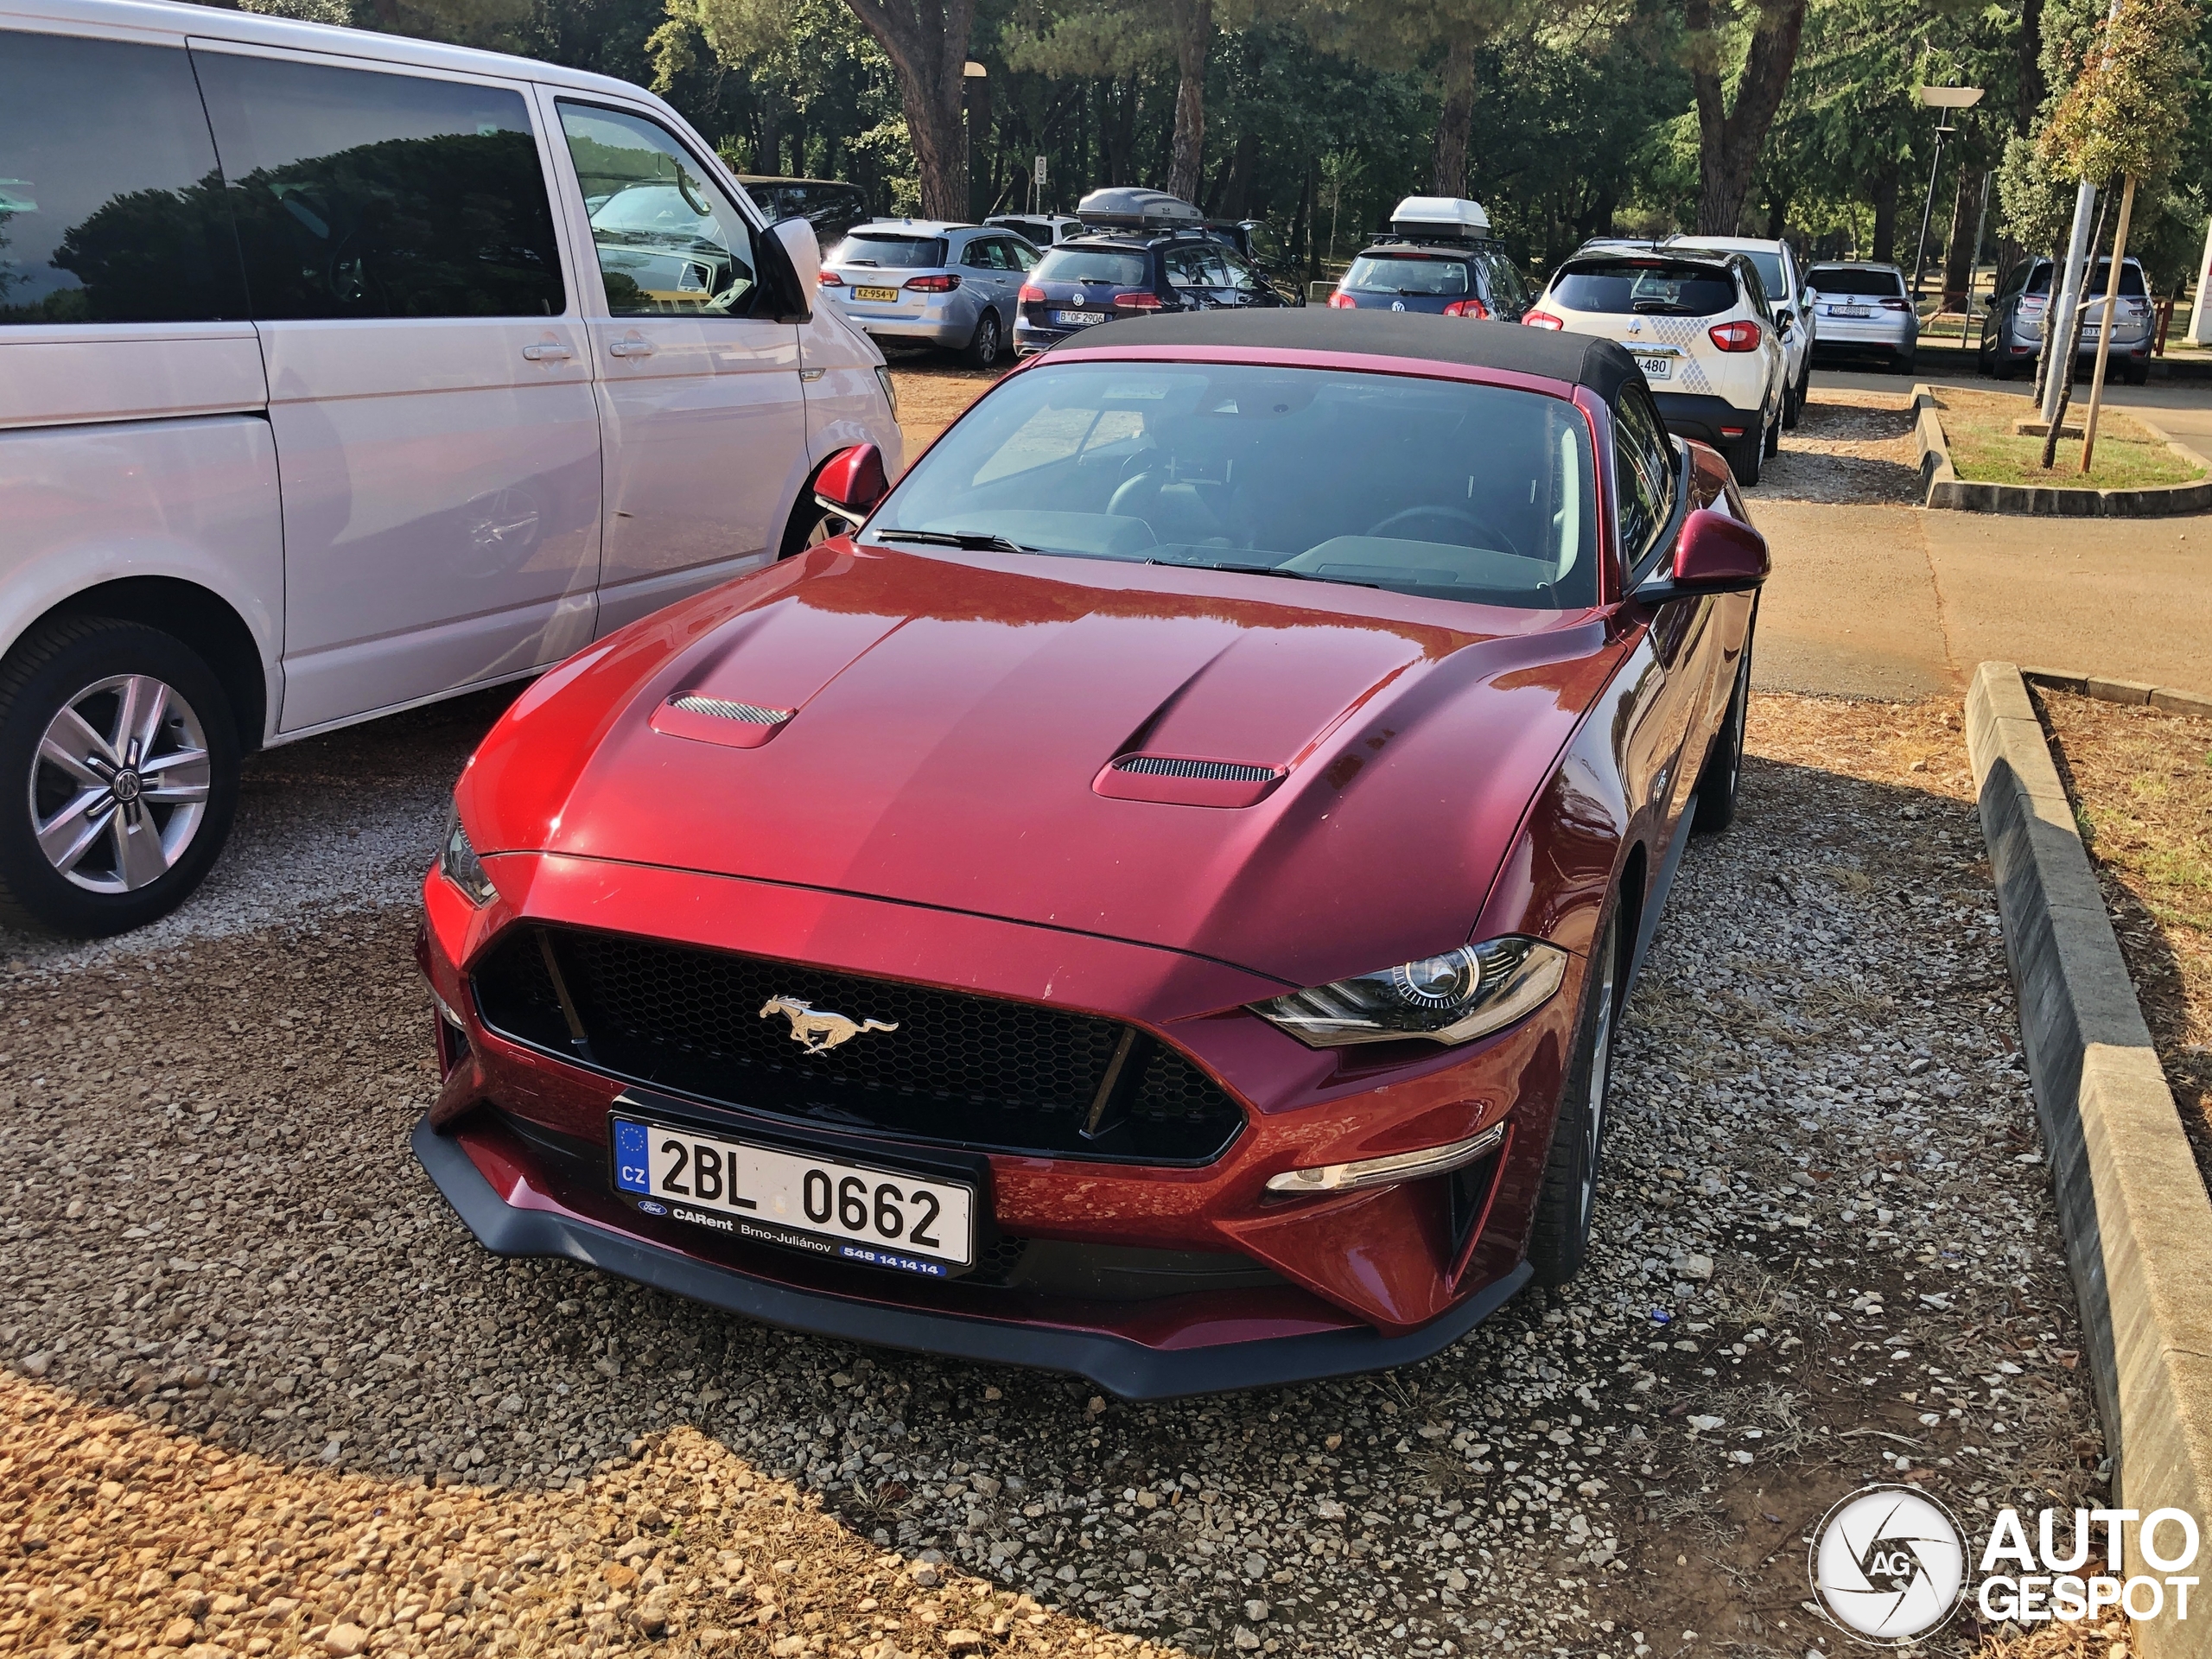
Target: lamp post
x,y
1945,98
976,89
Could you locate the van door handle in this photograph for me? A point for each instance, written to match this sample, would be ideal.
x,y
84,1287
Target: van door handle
x,y
634,344
546,353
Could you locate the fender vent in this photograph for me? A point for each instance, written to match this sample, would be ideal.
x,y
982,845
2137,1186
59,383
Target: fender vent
x,y
723,708
1227,772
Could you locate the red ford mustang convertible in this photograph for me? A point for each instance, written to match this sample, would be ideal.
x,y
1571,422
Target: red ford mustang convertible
x,y
1153,900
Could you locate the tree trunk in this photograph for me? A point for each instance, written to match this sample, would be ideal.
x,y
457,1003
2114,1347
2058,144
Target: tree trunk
x,y
768,156
1117,129
1309,204
1448,177
1958,253
1778,213
1192,23
2028,67
1886,215
1729,141
1237,188
927,43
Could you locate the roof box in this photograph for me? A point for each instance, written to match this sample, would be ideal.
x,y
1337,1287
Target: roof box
x,y
1451,218
1120,208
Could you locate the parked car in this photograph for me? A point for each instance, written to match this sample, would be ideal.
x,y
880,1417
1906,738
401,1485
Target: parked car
x,y
1155,902
1783,276
1098,278
1863,310
1699,328
1437,257
2012,333
1041,231
831,205
925,281
328,391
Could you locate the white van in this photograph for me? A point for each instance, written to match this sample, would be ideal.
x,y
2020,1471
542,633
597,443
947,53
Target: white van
x,y
341,372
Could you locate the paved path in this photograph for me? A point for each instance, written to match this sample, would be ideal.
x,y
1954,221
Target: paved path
x,y
1898,603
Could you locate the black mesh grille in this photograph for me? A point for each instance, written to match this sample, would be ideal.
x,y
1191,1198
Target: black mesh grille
x,y
1224,771
750,714
959,1070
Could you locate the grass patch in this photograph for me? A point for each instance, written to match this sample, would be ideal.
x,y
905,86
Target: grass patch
x,y
1985,450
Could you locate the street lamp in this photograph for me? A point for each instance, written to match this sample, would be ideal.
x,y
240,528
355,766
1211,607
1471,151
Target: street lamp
x,y
1946,98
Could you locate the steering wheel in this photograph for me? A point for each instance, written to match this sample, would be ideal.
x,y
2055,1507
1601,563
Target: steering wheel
x,y
1395,525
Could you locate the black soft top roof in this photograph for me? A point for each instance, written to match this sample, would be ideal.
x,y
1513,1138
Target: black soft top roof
x,y
1579,359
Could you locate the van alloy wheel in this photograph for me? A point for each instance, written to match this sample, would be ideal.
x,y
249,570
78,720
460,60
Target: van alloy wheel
x,y
120,783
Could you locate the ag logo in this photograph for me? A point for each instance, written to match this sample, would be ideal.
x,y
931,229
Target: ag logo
x,y
1888,1565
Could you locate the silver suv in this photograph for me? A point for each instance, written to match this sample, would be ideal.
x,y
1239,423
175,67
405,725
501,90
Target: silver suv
x,y
341,372
2012,333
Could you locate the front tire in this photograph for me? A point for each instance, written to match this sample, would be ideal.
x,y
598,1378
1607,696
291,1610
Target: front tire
x,y
118,776
982,349
1559,1240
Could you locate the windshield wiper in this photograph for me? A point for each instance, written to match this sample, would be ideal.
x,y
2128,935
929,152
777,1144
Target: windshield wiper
x,y
972,541
1264,570
1664,308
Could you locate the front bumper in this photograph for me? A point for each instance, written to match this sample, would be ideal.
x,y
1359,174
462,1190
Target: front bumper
x,y
1315,1286
522,1220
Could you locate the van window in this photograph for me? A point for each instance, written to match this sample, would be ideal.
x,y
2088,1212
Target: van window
x,y
669,242
363,194
111,207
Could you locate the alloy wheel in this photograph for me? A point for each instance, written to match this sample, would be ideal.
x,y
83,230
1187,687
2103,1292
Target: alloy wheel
x,y
120,783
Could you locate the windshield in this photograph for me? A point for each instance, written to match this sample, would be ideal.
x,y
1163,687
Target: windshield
x,y
1424,487
1406,274
1669,287
1866,284
895,252
655,210
1092,265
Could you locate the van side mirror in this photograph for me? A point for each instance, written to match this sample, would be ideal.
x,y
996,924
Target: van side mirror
x,y
791,269
851,482
1714,554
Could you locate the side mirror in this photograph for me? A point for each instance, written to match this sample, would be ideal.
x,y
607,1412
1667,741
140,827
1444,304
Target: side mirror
x,y
1786,322
852,481
1714,554
799,254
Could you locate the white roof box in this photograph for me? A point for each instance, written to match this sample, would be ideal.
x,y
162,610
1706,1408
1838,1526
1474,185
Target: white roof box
x,y
1451,216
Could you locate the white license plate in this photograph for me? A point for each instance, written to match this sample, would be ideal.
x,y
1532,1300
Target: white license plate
x,y
1077,319
886,1218
880,295
1849,311
1656,368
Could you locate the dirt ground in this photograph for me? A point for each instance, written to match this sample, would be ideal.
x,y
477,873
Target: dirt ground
x,y
2140,781
1849,448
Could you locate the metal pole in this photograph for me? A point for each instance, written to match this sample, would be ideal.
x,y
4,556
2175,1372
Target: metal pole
x,y
2202,304
2057,372
1927,211
1973,265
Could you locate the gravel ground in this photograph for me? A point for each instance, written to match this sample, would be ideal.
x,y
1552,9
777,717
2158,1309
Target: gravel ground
x,y
268,1397
1848,448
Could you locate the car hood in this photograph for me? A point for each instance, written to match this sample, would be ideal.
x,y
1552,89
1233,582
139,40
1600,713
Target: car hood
x,y
952,720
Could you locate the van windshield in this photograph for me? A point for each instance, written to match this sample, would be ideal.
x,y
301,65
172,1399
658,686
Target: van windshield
x,y
1434,487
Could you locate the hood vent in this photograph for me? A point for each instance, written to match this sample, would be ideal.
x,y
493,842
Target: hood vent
x,y
1160,765
725,709
1185,781
719,719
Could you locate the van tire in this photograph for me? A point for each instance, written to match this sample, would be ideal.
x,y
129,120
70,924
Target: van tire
x,y
92,664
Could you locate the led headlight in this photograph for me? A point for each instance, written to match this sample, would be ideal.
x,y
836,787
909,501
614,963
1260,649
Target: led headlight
x,y
1453,998
458,863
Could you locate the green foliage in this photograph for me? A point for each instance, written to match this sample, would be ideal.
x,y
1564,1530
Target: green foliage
x,y
2124,112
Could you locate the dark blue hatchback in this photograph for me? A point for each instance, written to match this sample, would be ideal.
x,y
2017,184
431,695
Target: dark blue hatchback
x,y
1466,281
1092,279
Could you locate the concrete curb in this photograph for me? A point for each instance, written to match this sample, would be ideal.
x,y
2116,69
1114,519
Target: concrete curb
x,y
2165,698
2137,1221
1946,489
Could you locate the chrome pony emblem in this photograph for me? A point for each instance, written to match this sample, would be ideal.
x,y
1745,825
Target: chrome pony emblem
x,y
817,1028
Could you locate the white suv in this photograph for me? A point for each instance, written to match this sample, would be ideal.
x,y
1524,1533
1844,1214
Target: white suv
x,y
1783,279
1698,326
341,372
